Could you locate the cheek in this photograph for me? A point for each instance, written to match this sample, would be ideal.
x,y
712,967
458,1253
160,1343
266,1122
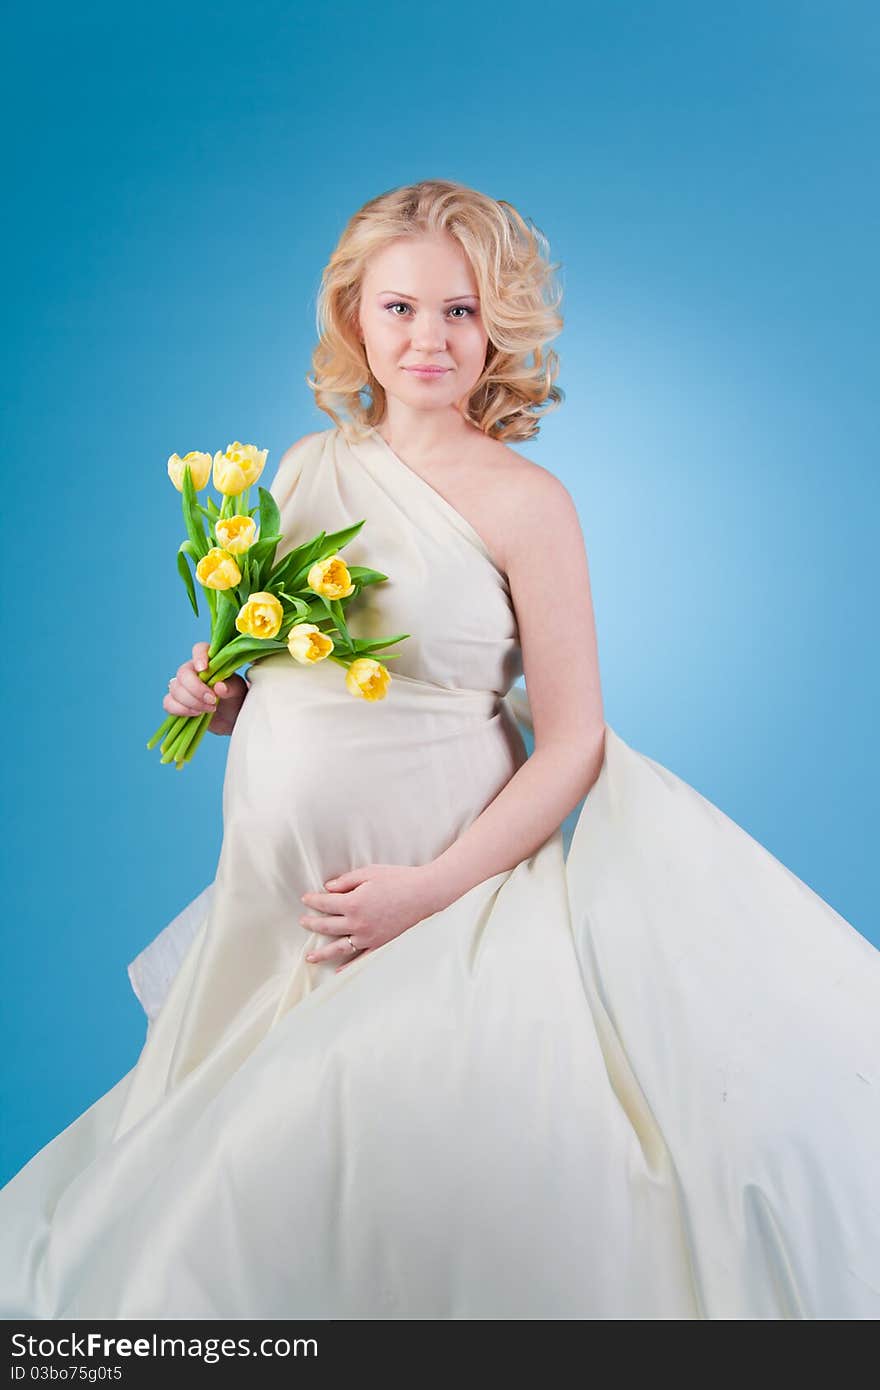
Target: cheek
x,y
387,336
474,344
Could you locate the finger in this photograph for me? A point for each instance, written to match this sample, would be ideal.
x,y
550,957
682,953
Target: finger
x,y
190,691
188,680
185,700
325,902
175,707
327,926
178,702
200,655
332,951
222,689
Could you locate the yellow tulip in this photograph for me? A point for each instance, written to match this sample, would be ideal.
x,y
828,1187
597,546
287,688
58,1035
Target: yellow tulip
x,y
218,570
199,465
261,616
238,467
307,643
236,533
368,678
330,577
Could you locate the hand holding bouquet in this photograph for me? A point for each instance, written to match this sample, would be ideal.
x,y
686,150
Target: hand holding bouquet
x,y
258,607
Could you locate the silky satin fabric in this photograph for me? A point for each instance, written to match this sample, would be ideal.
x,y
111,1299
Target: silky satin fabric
x,y
639,1081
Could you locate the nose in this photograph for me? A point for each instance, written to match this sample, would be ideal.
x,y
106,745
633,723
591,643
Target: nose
x,y
428,333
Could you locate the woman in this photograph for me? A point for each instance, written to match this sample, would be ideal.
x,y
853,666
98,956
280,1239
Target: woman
x,y
404,1059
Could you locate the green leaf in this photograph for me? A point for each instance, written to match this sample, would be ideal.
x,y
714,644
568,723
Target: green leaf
x,y
321,602
186,575
241,649
294,567
377,644
321,548
296,564
262,553
223,627
337,539
270,517
194,525
302,611
270,535
339,618
361,575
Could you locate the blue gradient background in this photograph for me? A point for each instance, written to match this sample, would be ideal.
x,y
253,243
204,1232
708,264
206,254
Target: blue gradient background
x,y
708,178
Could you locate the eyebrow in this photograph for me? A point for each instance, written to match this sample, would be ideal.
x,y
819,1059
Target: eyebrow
x,y
413,297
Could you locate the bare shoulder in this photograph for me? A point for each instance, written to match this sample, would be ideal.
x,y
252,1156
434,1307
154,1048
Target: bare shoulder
x,y
529,501
522,480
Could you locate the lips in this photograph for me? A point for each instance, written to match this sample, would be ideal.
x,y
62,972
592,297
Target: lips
x,y
428,371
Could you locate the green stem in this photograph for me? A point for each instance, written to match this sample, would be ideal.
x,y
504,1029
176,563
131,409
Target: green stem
x,y
163,729
179,721
203,729
191,737
179,746
178,741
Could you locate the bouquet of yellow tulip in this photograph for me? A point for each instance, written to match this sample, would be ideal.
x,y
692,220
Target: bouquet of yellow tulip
x,y
257,606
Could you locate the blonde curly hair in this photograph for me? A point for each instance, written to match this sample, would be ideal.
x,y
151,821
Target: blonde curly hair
x,y
518,301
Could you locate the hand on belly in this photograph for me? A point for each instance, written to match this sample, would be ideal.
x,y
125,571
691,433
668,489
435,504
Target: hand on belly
x,y
368,906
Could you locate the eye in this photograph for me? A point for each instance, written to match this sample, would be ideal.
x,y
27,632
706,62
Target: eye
x,y
399,304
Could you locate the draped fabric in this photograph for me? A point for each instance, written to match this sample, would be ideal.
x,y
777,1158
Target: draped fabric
x,y
636,1080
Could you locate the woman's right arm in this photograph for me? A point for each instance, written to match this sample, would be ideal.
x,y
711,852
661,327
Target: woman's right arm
x,y
188,693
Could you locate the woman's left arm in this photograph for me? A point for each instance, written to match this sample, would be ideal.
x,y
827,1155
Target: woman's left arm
x,y
546,564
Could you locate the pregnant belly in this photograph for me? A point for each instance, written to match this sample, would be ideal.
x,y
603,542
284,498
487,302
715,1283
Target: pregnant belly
x,y
319,782
322,777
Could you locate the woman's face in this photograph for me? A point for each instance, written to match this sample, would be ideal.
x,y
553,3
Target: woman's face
x,y
419,307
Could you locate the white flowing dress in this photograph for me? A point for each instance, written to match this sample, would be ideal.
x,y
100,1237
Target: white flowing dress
x,y
641,1081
